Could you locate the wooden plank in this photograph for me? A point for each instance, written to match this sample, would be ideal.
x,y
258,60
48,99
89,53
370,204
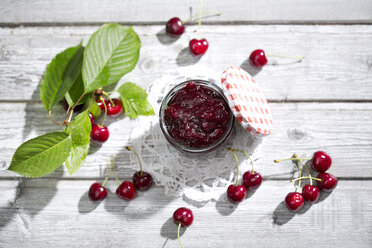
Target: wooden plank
x,y
270,11
341,129
58,213
337,58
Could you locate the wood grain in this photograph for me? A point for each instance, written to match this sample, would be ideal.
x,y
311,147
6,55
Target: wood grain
x,y
140,11
338,59
344,130
44,213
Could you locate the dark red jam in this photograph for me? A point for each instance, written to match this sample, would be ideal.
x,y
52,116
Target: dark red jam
x,y
197,116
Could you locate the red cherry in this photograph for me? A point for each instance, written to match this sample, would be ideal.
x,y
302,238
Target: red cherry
x,y
321,161
65,104
99,134
91,117
236,194
198,47
252,181
183,216
310,193
97,192
142,182
126,191
258,58
100,104
116,110
328,183
175,26
294,201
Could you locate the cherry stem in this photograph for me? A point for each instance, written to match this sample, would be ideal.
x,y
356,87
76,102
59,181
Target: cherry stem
x,y
108,172
206,14
53,121
237,165
69,113
307,168
69,125
200,15
104,117
113,170
135,153
108,96
299,173
245,155
178,234
69,119
286,57
300,178
286,159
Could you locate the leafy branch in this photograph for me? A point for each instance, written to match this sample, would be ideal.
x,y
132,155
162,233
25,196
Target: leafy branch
x,y
111,52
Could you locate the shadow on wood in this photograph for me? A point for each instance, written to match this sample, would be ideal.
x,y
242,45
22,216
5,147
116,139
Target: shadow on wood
x,y
85,205
169,229
31,197
224,206
8,212
166,39
185,58
40,124
323,196
253,71
282,215
114,204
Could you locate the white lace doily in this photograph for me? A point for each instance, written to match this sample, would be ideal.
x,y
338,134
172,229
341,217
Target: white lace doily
x,y
198,178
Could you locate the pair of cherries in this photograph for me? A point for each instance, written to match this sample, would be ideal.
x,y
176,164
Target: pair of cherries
x,y
126,190
100,133
175,27
251,181
326,182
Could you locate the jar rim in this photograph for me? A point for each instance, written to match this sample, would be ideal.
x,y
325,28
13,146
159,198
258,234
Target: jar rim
x,y
181,147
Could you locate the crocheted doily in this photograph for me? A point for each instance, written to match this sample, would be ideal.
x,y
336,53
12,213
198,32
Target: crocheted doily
x,y
198,178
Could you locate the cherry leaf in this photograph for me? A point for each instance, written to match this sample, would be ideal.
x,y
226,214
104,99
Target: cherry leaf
x,y
81,127
134,100
111,52
41,155
94,108
76,90
60,75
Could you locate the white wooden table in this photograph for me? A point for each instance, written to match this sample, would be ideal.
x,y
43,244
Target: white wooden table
x,y
324,103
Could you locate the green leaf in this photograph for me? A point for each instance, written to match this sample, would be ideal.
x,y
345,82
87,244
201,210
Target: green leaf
x,y
41,155
60,75
134,99
76,90
81,127
111,52
94,108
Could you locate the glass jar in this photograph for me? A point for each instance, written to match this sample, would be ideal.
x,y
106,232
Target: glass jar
x,y
195,116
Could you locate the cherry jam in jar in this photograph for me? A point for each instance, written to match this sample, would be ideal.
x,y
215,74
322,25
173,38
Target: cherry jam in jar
x,y
195,116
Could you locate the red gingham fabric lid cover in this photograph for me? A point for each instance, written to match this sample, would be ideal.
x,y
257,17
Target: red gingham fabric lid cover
x,y
246,101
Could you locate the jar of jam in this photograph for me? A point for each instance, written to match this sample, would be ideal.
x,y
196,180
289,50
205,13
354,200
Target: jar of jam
x,y
195,116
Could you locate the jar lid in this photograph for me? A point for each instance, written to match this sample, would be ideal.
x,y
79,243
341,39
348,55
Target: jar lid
x,y
246,101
